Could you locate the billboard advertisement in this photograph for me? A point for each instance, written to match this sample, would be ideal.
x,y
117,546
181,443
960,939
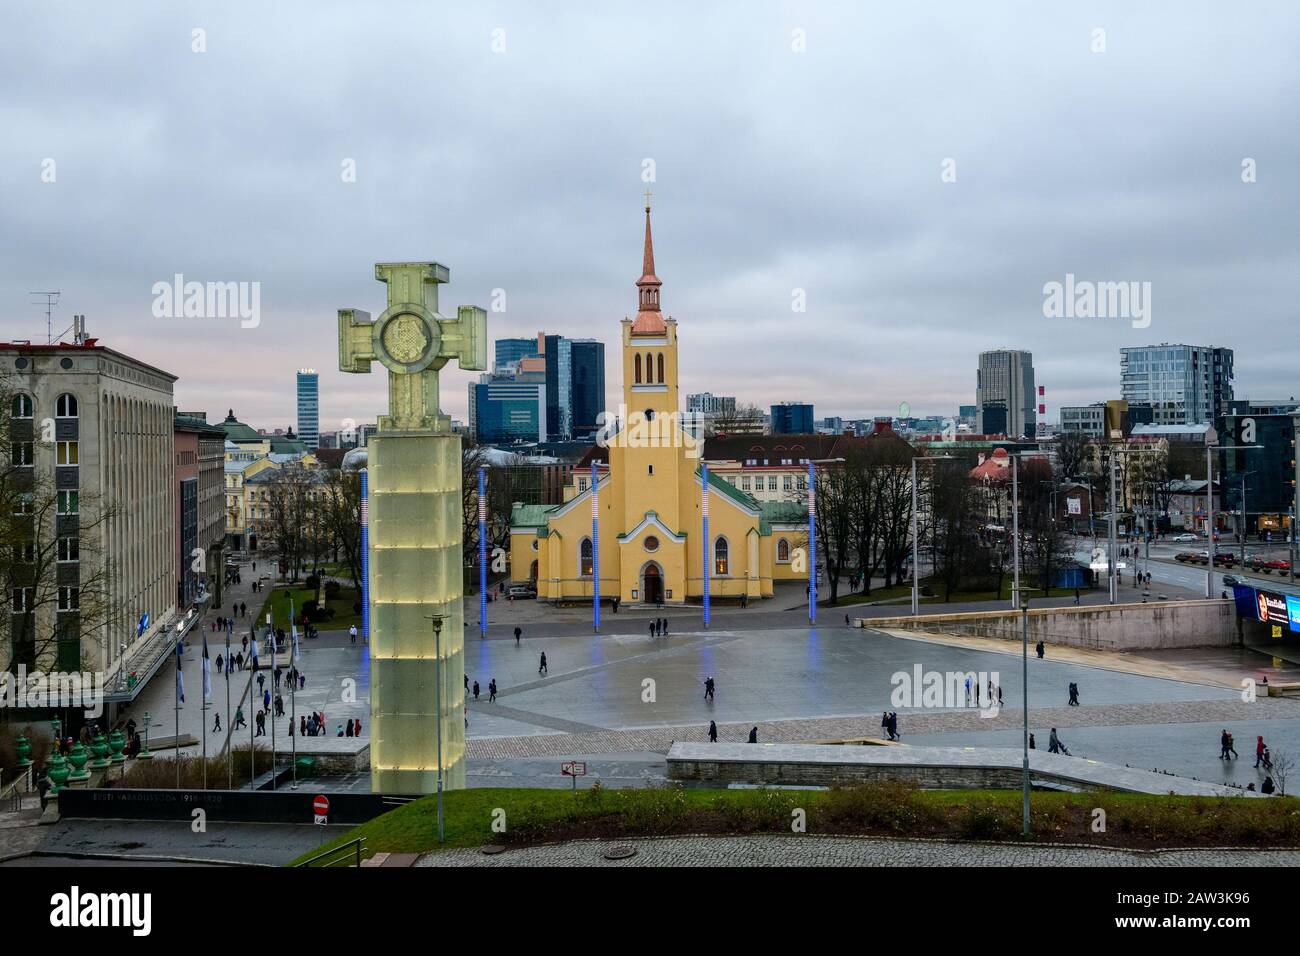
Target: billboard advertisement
x,y
1271,607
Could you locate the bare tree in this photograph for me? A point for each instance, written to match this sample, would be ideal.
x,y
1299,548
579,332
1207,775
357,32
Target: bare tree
x,y
55,576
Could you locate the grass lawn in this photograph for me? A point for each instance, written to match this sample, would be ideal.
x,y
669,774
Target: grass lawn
x,y
277,602
531,816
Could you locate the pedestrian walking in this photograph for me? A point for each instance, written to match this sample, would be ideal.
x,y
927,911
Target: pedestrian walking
x,y
1032,745
239,718
1259,751
492,691
664,630
476,690
1232,748
893,725
713,732
753,736
352,633
541,667
518,633
216,724
1038,648
652,628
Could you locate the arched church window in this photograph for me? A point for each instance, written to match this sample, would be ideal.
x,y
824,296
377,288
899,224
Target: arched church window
x,y
636,363
585,558
783,550
721,553
660,363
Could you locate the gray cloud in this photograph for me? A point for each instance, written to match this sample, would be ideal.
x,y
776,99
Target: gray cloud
x,y
776,170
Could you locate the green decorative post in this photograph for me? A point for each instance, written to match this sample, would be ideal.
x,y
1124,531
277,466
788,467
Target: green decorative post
x,y
57,772
414,547
116,743
77,757
144,753
99,747
23,748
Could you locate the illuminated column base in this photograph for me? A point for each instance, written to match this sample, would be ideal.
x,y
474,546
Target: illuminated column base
x,y
415,572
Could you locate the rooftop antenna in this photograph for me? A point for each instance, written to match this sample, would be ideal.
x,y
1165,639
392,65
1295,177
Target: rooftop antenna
x,y
51,300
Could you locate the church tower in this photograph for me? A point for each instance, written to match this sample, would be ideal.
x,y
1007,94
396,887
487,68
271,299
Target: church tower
x,y
651,453
650,344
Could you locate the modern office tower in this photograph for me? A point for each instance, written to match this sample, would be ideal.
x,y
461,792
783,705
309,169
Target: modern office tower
x,y
1184,384
510,351
309,408
587,383
792,418
966,415
507,411
1263,476
1004,394
558,353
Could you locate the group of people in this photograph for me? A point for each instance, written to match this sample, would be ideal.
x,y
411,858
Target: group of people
x,y
889,721
659,627
1263,759
713,733
492,689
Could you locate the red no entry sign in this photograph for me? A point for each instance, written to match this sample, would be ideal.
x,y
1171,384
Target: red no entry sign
x,y
321,805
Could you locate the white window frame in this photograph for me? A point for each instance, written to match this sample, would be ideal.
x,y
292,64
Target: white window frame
x,y
69,545
69,598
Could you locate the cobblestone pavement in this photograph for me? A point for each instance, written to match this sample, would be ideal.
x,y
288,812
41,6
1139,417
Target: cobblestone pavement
x,y
658,739
809,850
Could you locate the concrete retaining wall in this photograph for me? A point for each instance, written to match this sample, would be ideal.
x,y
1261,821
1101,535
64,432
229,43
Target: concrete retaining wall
x,y
1108,627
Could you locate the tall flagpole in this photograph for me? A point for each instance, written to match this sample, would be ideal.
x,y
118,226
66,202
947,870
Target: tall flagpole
x,y
482,551
293,692
180,689
274,692
206,678
252,762
595,551
230,719
704,509
812,543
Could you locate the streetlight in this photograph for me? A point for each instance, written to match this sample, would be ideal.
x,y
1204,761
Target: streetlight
x,y
1015,520
437,620
1024,690
812,533
916,558
1209,506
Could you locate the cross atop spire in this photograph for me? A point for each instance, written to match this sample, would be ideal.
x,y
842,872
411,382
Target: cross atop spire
x,y
647,194
649,321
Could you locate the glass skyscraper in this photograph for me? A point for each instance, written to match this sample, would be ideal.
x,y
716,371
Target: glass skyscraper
x,y
1183,384
309,408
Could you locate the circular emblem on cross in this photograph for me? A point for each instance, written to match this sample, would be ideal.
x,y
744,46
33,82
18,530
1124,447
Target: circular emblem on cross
x,y
407,339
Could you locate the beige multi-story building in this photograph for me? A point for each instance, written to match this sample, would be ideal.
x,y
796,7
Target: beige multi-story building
x,y
95,429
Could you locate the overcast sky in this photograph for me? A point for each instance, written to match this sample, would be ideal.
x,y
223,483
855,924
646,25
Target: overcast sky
x,y
775,170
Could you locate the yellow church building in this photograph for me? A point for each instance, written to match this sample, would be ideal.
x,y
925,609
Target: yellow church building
x,y
649,501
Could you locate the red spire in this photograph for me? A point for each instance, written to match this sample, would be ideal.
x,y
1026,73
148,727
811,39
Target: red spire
x,y
649,320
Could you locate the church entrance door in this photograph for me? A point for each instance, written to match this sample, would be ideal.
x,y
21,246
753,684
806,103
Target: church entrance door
x,y
653,586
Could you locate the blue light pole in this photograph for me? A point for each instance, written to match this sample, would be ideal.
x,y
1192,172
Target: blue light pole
x,y
812,543
704,510
482,551
595,551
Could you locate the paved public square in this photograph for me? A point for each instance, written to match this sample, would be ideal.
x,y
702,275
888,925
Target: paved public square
x,y
619,699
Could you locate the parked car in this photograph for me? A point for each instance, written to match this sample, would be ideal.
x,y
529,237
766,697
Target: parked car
x,y
521,590
1185,536
1229,580
1185,556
